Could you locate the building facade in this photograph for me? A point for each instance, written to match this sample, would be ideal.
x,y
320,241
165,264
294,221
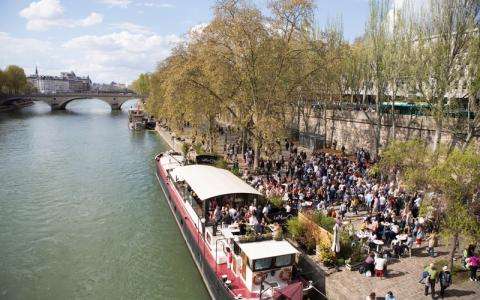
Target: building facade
x,y
111,87
67,82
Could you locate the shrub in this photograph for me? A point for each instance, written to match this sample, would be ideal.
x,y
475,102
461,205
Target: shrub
x,y
221,163
302,234
276,201
185,148
323,221
295,227
325,255
198,148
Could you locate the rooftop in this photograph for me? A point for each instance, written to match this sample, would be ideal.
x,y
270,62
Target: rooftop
x,y
264,249
208,182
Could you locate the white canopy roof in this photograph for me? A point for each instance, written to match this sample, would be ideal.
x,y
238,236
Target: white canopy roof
x,y
264,249
207,181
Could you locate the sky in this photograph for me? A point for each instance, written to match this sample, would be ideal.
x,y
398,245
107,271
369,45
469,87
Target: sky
x,y
115,40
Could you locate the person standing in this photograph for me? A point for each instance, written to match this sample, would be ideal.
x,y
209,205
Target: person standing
x,y
472,264
432,242
431,279
445,279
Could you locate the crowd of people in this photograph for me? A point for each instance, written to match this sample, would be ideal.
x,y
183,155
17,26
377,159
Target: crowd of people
x,y
339,186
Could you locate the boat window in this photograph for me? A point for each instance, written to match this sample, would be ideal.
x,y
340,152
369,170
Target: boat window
x,y
262,264
283,260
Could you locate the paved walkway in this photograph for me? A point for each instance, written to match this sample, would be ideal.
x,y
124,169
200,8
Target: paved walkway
x,y
402,280
403,274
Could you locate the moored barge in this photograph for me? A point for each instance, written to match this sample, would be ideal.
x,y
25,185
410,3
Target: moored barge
x,y
234,261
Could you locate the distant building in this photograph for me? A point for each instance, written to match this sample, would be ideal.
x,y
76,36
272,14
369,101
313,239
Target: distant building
x,y
67,82
111,87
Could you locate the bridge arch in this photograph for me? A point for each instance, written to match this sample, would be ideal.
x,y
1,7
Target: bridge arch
x,y
114,102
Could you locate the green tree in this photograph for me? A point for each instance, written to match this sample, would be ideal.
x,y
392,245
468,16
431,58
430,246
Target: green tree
x,y
16,80
455,179
3,81
452,176
442,35
376,45
142,85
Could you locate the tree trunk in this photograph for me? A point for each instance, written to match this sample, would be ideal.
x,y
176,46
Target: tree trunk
x,y
453,251
332,129
325,123
438,133
258,148
377,126
394,123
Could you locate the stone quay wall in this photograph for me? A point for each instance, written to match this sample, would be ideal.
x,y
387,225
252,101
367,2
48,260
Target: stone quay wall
x,y
353,129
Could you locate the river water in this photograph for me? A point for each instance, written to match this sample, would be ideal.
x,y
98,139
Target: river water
x,y
81,213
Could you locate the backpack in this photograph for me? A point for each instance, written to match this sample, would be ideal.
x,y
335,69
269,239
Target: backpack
x,y
446,279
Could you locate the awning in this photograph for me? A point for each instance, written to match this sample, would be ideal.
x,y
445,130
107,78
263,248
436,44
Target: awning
x,y
207,181
264,249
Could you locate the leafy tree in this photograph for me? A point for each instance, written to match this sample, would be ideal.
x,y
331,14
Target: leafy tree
x,y
452,176
456,178
3,81
406,162
376,43
142,85
442,35
16,80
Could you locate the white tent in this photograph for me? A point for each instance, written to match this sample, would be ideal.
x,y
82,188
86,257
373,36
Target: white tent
x,y
207,181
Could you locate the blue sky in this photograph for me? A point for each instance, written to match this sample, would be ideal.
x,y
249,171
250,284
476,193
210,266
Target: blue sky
x,y
115,40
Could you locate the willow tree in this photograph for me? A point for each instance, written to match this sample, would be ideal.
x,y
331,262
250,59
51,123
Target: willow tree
x,y
441,46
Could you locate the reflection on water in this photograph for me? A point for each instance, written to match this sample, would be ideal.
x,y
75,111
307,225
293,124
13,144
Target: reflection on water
x,y
81,214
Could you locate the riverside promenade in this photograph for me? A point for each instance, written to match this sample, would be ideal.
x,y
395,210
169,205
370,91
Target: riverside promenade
x,y
403,274
169,139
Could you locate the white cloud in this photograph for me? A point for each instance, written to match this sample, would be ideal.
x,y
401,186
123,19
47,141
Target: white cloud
x,y
92,19
131,27
45,14
159,5
118,3
118,56
43,9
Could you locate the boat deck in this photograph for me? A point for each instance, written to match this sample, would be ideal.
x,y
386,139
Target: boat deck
x,y
238,287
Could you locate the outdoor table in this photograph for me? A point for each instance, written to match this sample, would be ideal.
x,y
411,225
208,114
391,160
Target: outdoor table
x,y
378,243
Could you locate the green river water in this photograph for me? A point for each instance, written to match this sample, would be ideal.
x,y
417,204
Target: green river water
x,y
81,212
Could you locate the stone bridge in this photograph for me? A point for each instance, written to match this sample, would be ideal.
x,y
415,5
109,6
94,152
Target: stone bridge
x,y
59,101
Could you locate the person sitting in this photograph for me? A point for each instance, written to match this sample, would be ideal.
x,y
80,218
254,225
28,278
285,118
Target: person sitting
x,y
369,263
259,227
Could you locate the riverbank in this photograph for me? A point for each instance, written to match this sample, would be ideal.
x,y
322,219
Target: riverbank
x,y
167,136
